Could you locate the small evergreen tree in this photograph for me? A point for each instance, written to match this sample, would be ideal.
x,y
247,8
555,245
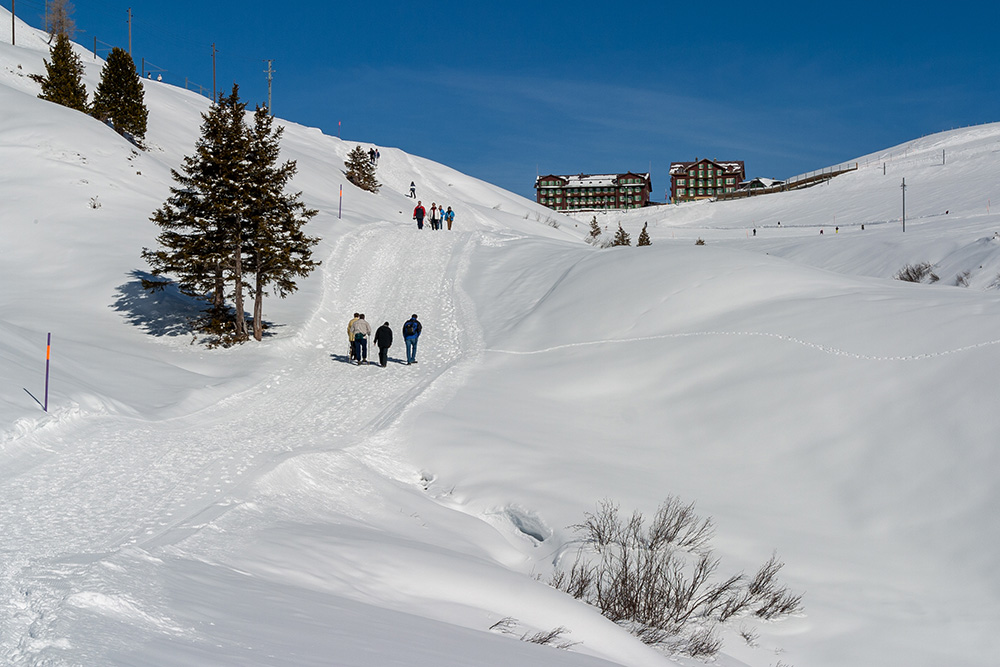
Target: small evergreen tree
x,y
361,171
276,247
119,97
63,80
595,231
621,237
644,236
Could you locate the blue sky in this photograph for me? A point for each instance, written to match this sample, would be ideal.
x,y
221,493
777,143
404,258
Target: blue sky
x,y
503,91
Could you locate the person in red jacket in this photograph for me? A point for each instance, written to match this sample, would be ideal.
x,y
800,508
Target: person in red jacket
x,y
418,214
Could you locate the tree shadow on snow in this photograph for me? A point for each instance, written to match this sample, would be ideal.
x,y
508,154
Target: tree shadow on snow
x,y
165,312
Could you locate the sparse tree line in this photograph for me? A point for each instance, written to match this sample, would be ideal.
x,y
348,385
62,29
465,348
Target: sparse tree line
x,y
228,227
119,100
621,237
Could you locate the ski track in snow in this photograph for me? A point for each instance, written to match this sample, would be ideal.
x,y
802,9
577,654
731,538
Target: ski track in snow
x,y
826,349
80,494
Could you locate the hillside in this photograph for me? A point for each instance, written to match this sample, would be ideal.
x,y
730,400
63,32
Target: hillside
x,y
271,504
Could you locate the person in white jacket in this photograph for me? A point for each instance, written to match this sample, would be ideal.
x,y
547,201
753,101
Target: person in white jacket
x,y
360,332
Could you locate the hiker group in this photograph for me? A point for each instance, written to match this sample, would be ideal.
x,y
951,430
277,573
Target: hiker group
x,y
438,216
359,331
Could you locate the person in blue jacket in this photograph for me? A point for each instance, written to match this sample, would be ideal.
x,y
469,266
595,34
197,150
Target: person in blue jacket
x,y
411,332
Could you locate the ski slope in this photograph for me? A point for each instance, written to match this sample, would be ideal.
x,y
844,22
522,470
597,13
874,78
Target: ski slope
x,y
272,504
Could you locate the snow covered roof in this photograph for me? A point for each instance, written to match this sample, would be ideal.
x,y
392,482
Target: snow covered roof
x,y
591,180
730,167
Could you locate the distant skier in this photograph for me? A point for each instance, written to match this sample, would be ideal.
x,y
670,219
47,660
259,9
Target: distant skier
x,y
413,190
418,214
449,216
411,332
359,335
350,336
383,340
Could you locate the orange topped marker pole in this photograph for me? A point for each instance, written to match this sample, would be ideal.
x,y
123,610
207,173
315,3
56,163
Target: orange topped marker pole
x,y
48,355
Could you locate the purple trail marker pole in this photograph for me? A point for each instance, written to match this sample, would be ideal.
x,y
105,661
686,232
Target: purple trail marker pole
x,y
48,355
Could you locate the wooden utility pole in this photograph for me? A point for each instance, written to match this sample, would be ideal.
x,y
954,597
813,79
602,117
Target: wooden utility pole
x,y
12,42
129,32
270,76
213,72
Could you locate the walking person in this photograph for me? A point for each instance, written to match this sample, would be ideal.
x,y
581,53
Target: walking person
x,y
435,216
411,332
449,216
413,190
418,214
359,335
383,340
350,337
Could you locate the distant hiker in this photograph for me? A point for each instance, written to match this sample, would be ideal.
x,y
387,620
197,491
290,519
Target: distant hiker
x,y
836,230
449,216
418,214
755,231
413,190
383,340
377,156
411,332
862,226
371,155
435,216
359,335
350,336
779,223
821,232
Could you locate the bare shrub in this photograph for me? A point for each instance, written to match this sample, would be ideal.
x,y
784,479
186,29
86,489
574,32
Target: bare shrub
x,y
508,626
962,279
917,273
659,580
700,241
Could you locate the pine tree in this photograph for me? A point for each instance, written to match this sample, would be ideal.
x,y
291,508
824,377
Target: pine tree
x,y
361,171
120,98
595,231
621,237
644,236
203,220
276,247
63,80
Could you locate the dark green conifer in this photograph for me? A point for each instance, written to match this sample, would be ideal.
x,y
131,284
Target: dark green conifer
x,y
621,237
203,220
361,170
120,98
644,236
63,80
277,248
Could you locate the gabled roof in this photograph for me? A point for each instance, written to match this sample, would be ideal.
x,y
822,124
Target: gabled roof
x,y
730,167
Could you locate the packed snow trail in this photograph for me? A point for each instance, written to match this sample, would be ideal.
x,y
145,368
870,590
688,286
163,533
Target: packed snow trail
x,y
82,492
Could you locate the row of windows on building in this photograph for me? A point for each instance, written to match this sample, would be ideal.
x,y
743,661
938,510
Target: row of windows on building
x,y
585,191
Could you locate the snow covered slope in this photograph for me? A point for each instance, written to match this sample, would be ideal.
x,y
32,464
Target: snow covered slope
x,y
273,505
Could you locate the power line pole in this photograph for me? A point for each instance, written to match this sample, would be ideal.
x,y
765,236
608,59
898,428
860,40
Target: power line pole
x,y
12,42
129,32
270,75
213,71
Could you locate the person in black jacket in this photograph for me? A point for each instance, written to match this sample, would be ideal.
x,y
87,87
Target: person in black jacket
x,y
383,339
